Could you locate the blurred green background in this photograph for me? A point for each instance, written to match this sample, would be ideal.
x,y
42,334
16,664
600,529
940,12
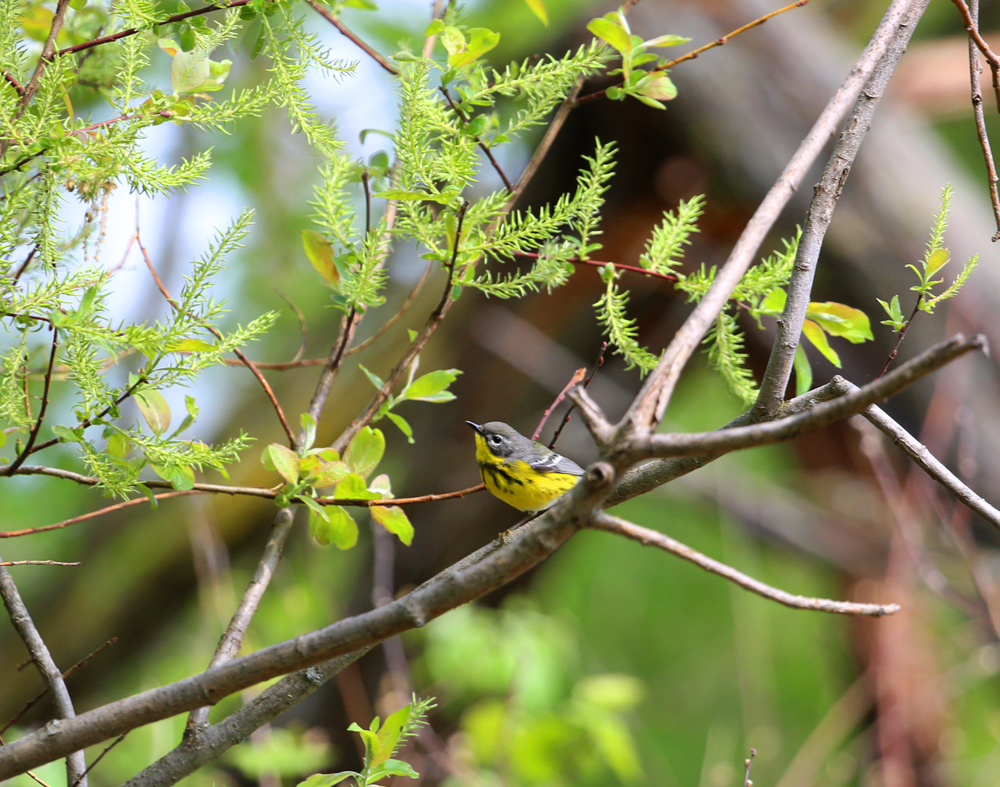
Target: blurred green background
x,y
611,663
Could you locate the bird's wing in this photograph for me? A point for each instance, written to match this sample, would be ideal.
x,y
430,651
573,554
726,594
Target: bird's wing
x,y
552,462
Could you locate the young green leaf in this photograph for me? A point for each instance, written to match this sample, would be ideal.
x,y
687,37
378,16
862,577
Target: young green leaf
x,y
314,507
611,33
936,262
328,779
395,520
803,372
284,460
330,473
661,88
365,451
309,428
428,386
154,409
840,320
341,530
353,487
664,41
481,40
538,9
817,336
319,251
403,425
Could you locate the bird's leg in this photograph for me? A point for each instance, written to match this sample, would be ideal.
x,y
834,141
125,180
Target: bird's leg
x,y
506,534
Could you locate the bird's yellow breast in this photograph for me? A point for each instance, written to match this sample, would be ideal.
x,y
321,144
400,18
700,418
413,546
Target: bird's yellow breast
x,y
517,483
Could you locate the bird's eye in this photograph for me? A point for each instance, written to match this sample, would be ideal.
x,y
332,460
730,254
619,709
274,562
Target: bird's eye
x,y
496,439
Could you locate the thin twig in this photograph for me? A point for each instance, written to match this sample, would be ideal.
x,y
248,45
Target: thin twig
x,y
769,432
31,703
972,28
648,537
36,563
94,514
232,637
648,409
36,427
695,52
98,758
746,768
12,80
901,335
925,459
597,365
76,764
396,316
975,77
577,378
329,17
218,335
131,31
482,145
87,423
26,263
821,208
401,501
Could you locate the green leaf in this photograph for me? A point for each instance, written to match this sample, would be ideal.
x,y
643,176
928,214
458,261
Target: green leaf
x,y
285,461
393,519
180,476
154,409
661,88
315,507
328,779
652,102
353,487
320,254
936,262
118,445
364,5
403,196
389,733
840,320
377,381
309,427
382,485
817,336
481,41
664,41
425,387
330,473
365,451
403,425
538,9
340,529
393,768
610,692
453,40
434,28
191,346
612,33
803,372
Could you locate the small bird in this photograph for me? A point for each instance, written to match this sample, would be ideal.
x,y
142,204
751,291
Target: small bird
x,y
521,472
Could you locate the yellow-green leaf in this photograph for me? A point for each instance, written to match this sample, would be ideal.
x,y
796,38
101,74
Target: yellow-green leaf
x,y
191,346
154,409
538,9
837,319
394,519
817,336
285,461
614,34
341,530
481,40
937,261
365,451
320,254
661,88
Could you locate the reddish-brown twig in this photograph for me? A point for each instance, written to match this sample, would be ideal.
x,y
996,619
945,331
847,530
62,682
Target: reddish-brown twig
x,y
33,434
972,28
695,52
975,74
26,263
133,30
597,365
900,335
218,335
35,563
90,421
100,512
329,17
482,145
12,80
401,501
602,263
577,377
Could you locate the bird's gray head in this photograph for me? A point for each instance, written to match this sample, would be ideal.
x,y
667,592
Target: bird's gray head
x,y
501,439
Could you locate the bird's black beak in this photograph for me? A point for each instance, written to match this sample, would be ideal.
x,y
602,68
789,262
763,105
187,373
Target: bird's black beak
x,y
477,427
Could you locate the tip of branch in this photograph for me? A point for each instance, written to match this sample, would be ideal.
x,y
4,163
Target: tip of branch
x,y
886,609
982,343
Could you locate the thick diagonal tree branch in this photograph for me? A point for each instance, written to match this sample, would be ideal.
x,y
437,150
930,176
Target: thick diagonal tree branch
x,y
647,537
76,765
455,586
919,453
827,192
649,406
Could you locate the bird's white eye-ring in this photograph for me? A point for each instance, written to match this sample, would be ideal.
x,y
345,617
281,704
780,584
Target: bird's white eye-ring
x,y
496,439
